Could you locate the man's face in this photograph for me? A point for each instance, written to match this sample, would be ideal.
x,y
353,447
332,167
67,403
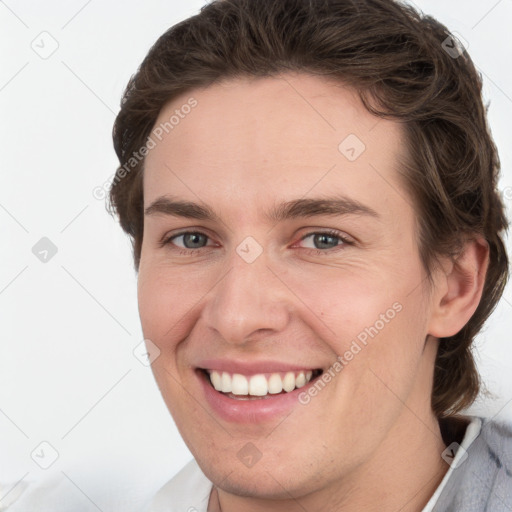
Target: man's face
x,y
252,294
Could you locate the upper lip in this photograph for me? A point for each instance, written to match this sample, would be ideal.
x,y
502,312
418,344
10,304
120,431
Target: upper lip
x,y
252,367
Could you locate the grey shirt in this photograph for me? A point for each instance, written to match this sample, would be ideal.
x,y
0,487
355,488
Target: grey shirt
x,y
482,482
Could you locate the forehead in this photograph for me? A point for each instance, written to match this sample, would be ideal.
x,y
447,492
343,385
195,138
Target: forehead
x,y
285,136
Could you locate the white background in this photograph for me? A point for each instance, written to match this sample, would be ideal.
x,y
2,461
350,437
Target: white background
x,y
68,327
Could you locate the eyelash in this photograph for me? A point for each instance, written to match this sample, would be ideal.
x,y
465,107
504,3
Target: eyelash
x,y
193,252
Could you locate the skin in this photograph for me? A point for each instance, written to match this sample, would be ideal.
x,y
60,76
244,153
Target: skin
x,y
369,440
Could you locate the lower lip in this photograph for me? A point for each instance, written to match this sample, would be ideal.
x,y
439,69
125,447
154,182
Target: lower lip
x,y
250,411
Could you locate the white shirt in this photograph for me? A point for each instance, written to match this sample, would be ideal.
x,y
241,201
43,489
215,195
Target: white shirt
x,y
189,490
472,431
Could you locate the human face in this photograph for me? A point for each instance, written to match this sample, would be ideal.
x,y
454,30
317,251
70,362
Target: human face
x,y
260,294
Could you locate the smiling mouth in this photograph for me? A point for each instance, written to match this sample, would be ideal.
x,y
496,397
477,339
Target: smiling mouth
x,y
259,386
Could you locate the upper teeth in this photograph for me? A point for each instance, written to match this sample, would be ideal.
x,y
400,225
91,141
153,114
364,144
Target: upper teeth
x,y
260,384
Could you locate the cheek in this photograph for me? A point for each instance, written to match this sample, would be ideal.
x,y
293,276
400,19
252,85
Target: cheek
x,y
342,302
170,302
386,367
373,322
164,301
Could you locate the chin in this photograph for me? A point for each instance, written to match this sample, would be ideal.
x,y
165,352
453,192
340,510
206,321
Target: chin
x,y
269,483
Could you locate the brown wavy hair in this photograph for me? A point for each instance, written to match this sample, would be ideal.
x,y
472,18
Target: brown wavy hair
x,y
405,66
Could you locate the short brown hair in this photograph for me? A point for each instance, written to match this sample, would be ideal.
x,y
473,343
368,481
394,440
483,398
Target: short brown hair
x,y
399,62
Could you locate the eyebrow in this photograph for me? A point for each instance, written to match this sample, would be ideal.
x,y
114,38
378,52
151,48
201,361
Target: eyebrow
x,y
298,208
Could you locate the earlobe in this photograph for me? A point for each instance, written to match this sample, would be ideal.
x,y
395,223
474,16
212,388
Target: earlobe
x,y
462,287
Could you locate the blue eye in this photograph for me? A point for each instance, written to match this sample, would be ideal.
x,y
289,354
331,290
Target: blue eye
x,y
191,240
324,242
322,239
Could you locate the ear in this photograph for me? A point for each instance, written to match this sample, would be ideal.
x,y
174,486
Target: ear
x,y
459,289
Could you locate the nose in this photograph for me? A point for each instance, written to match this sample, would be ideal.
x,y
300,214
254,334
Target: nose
x,y
249,302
